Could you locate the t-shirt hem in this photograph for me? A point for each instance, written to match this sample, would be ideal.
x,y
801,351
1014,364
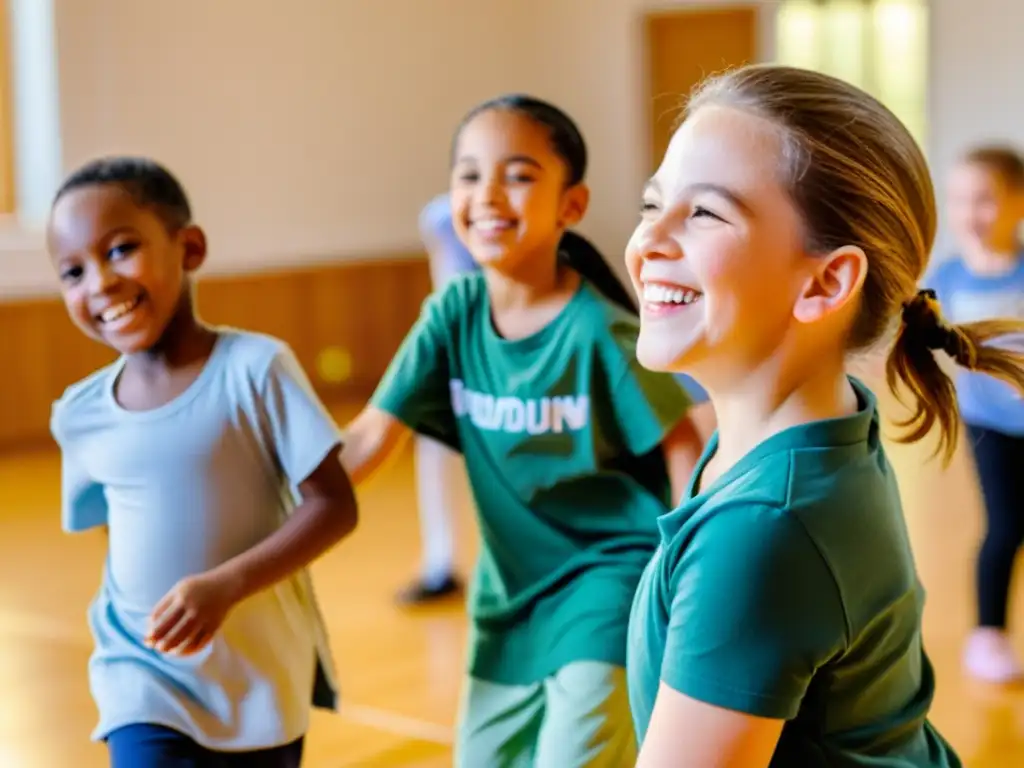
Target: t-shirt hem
x,y
992,423
82,527
736,699
501,675
103,730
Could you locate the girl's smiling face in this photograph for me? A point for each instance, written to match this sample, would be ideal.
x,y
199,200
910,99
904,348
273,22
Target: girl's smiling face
x,y
508,189
717,260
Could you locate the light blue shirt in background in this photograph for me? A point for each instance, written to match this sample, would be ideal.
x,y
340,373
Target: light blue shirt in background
x,y
448,256
965,297
184,488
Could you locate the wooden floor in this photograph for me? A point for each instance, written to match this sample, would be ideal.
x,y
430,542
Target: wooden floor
x,y
400,669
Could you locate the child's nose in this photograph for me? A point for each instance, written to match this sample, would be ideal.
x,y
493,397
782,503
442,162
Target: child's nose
x,y
492,191
102,279
657,243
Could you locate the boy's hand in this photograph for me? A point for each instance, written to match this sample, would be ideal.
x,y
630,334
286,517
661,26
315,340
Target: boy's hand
x,y
188,616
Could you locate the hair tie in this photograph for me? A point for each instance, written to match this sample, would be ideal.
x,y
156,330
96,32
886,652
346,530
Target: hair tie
x,y
922,316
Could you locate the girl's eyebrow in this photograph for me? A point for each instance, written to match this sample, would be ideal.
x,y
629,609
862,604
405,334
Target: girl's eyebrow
x,y
721,191
705,186
525,159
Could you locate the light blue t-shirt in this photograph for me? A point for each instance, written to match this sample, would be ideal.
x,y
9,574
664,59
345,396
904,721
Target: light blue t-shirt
x,y
966,297
184,488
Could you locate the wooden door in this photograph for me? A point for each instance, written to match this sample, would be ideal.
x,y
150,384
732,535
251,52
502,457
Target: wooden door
x,y
682,48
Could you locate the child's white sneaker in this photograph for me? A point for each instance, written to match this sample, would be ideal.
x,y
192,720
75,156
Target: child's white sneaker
x,y
989,656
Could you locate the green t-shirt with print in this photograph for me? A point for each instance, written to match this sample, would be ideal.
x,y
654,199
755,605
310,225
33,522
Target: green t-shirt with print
x,y
561,435
787,590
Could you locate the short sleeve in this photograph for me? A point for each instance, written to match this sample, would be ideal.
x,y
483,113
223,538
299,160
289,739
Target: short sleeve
x,y
302,432
83,504
755,612
415,388
647,406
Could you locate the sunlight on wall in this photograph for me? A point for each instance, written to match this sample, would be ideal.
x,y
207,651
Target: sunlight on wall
x,y
880,46
36,110
901,60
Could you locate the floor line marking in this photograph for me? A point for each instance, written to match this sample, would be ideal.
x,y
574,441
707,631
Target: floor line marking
x,y
393,722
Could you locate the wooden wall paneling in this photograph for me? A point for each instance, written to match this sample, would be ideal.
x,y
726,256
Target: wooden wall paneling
x,y
390,302
26,362
70,355
273,304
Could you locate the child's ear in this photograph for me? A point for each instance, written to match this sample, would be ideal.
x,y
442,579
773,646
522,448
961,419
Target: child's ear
x,y
193,241
835,279
574,205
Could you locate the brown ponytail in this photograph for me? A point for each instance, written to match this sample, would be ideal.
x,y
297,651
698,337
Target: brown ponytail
x,y
922,333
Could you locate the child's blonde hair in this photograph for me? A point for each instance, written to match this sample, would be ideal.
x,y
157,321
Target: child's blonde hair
x,y
859,178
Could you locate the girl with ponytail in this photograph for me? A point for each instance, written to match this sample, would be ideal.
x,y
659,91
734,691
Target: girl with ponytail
x,y
573,450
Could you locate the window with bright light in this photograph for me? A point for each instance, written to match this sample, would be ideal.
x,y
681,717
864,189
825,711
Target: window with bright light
x,y
7,201
878,45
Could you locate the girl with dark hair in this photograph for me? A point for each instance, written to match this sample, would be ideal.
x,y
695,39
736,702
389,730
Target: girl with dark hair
x,y
528,368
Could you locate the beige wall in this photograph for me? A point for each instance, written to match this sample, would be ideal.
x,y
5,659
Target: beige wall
x,y
595,71
313,131
319,132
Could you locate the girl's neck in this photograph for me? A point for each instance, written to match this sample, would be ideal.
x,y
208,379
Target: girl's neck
x,y
532,280
528,297
768,402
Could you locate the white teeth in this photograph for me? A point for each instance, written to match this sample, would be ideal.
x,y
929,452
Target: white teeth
x,y
492,225
661,294
119,310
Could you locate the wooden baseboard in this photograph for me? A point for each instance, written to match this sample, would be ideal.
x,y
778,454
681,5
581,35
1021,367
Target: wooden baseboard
x,y
344,320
